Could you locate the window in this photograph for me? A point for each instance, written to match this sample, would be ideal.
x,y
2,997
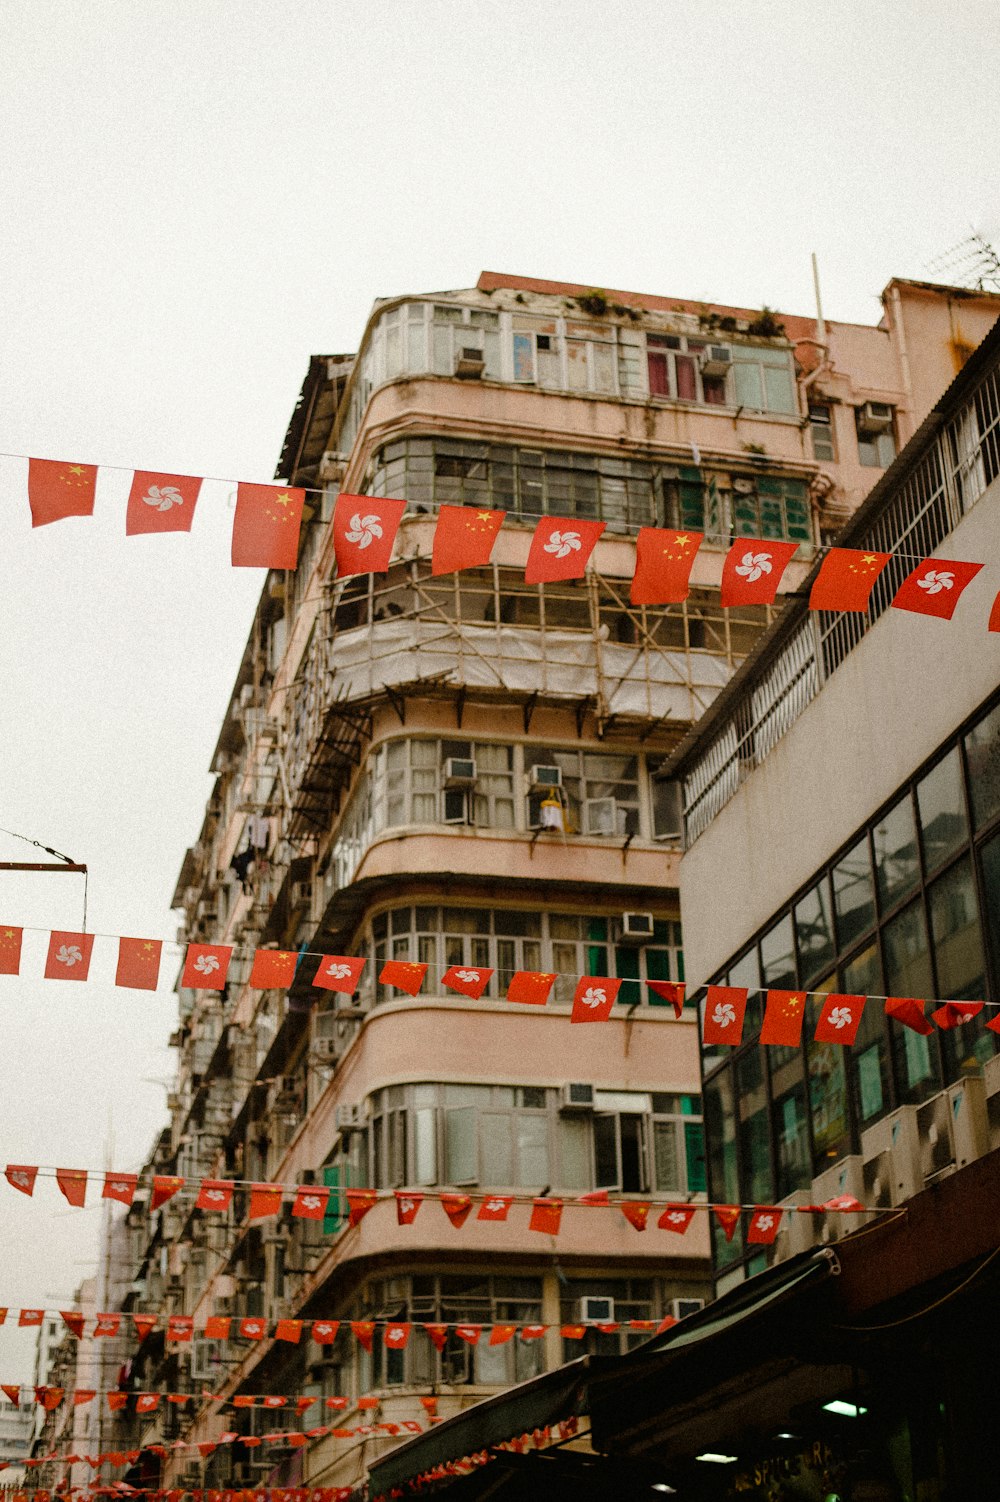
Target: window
x,y
854,893
763,378
821,428
814,932
599,792
941,808
982,751
897,870
772,507
876,450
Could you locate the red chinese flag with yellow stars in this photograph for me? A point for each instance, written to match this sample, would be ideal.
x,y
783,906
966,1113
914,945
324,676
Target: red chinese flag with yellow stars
x,y
73,1185
470,980
218,1326
531,987
846,579
69,956
266,526
273,969
934,587
456,1207
206,966
728,1217
10,949
783,1015
265,1200
636,1212
464,538
165,1186
359,1202
144,1324
725,1008
668,990
437,1335
663,562
840,1018
561,549
161,503
364,530
764,1223
753,569
363,1331
501,1334
57,490
138,964
994,621
546,1216
289,1330
909,1010
404,975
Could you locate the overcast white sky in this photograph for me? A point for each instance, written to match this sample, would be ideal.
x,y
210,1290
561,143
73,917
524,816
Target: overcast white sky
x,y
196,197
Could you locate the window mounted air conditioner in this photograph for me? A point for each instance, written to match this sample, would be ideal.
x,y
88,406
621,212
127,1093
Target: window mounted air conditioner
x,y
469,364
349,1118
602,816
459,772
545,777
596,1311
716,360
895,1140
937,1153
875,417
636,927
969,1119
327,1049
845,1177
576,1097
681,1308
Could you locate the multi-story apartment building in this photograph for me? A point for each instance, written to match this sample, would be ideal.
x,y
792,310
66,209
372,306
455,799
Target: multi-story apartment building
x,y
464,769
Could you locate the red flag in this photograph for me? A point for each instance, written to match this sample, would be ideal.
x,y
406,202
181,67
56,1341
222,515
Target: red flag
x,y
180,1327
206,966
437,1335
676,1218
289,1330
725,1008
495,1207
663,565
667,1323
752,571
164,1188
404,975
338,972
69,956
530,986
668,990
533,1332
84,1395
138,964
50,1397
764,1223
728,1217
13,1392
642,1324
215,1194
934,587
324,1333
265,1200
363,1331
73,1184
253,1328
311,1202
546,1215
161,503
593,1197
73,1321
107,1324
146,1402
407,1205
594,997
21,1176
144,1323
266,526
783,1017
839,1020
464,538
501,1334
560,549
10,949
395,1336
273,969
572,1332
636,1213
30,1317
469,1333
359,1202
57,490
456,1207
994,621
845,579
120,1187
909,1010
469,979
364,530
218,1326
954,1013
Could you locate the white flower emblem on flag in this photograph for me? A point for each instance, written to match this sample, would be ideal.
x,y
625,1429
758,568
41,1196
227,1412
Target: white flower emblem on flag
x,y
594,996
338,972
21,1179
120,1188
935,580
406,1206
469,976
753,566
464,1330
69,954
311,1202
495,1204
396,1336
322,1329
563,543
215,1196
364,529
724,1014
840,1017
205,964
253,1327
162,497
676,1217
273,1402
765,1222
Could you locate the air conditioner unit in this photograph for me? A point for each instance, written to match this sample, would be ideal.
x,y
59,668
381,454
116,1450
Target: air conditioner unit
x,y
331,466
469,364
207,1359
576,1097
845,1177
716,360
545,777
283,1093
349,1118
896,1135
970,1128
602,816
327,1049
459,772
797,1232
937,1152
636,928
596,1311
875,417
681,1308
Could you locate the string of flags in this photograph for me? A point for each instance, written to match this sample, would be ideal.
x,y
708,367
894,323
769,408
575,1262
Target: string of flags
x,y
838,1021
267,522
175,1494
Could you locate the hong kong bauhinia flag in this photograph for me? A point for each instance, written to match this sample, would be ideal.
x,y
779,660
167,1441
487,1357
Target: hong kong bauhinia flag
x,y
266,526
840,1018
339,972
57,490
364,530
120,1187
464,538
206,967
69,956
753,569
725,1008
663,565
161,503
138,964
846,579
934,587
470,980
594,998
561,549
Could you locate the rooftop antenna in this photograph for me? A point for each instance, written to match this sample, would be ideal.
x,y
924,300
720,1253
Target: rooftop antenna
x,y
973,263
820,320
